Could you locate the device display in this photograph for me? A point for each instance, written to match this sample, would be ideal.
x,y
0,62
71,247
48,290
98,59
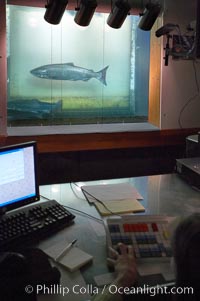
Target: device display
x,y
18,176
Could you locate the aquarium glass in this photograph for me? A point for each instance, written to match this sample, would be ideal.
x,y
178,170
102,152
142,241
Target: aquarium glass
x,y
68,74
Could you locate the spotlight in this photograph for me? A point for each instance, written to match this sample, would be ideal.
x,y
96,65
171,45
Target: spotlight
x,y
149,16
85,12
55,10
118,14
166,29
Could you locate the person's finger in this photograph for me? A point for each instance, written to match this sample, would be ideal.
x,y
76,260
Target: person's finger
x,y
122,248
113,253
130,250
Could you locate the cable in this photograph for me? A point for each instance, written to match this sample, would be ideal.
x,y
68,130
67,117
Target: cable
x,y
85,192
74,192
44,197
99,201
191,98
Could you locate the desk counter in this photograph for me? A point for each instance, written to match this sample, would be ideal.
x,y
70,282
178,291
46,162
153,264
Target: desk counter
x,y
163,194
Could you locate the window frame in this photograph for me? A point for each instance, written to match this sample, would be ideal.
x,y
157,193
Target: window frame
x,y
154,76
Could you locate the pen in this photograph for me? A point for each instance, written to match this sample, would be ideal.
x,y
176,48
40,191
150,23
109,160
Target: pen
x,y
66,249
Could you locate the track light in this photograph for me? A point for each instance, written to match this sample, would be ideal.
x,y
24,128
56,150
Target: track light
x,y
166,29
118,14
85,12
149,16
55,10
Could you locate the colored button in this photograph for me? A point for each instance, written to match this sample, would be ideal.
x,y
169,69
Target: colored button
x,y
154,227
127,227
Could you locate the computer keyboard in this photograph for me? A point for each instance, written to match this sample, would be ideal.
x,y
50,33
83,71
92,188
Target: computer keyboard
x,y
148,234
31,224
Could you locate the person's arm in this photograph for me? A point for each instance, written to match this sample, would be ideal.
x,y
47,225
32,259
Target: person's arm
x,y
126,273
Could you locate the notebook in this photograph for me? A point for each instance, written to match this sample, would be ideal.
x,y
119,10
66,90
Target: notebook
x,y
73,260
107,192
116,207
114,198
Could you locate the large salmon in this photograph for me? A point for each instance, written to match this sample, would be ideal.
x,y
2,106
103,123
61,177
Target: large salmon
x,y
69,71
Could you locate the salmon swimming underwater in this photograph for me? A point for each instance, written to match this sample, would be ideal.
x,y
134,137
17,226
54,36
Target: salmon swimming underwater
x,y
69,71
32,108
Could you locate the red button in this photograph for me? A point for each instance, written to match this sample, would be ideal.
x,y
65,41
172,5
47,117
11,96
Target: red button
x,y
154,227
127,227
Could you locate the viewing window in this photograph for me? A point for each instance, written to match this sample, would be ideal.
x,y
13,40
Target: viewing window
x,y
67,74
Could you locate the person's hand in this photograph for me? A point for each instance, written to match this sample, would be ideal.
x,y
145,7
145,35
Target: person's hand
x,y
124,264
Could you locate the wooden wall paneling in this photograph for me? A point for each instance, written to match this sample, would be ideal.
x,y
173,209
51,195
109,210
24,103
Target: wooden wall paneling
x,y
155,76
100,141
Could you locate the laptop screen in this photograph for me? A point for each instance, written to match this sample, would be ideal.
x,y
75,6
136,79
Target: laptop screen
x,y
18,176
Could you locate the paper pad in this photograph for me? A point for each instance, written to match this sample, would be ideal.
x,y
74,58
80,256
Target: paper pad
x,y
72,260
117,207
